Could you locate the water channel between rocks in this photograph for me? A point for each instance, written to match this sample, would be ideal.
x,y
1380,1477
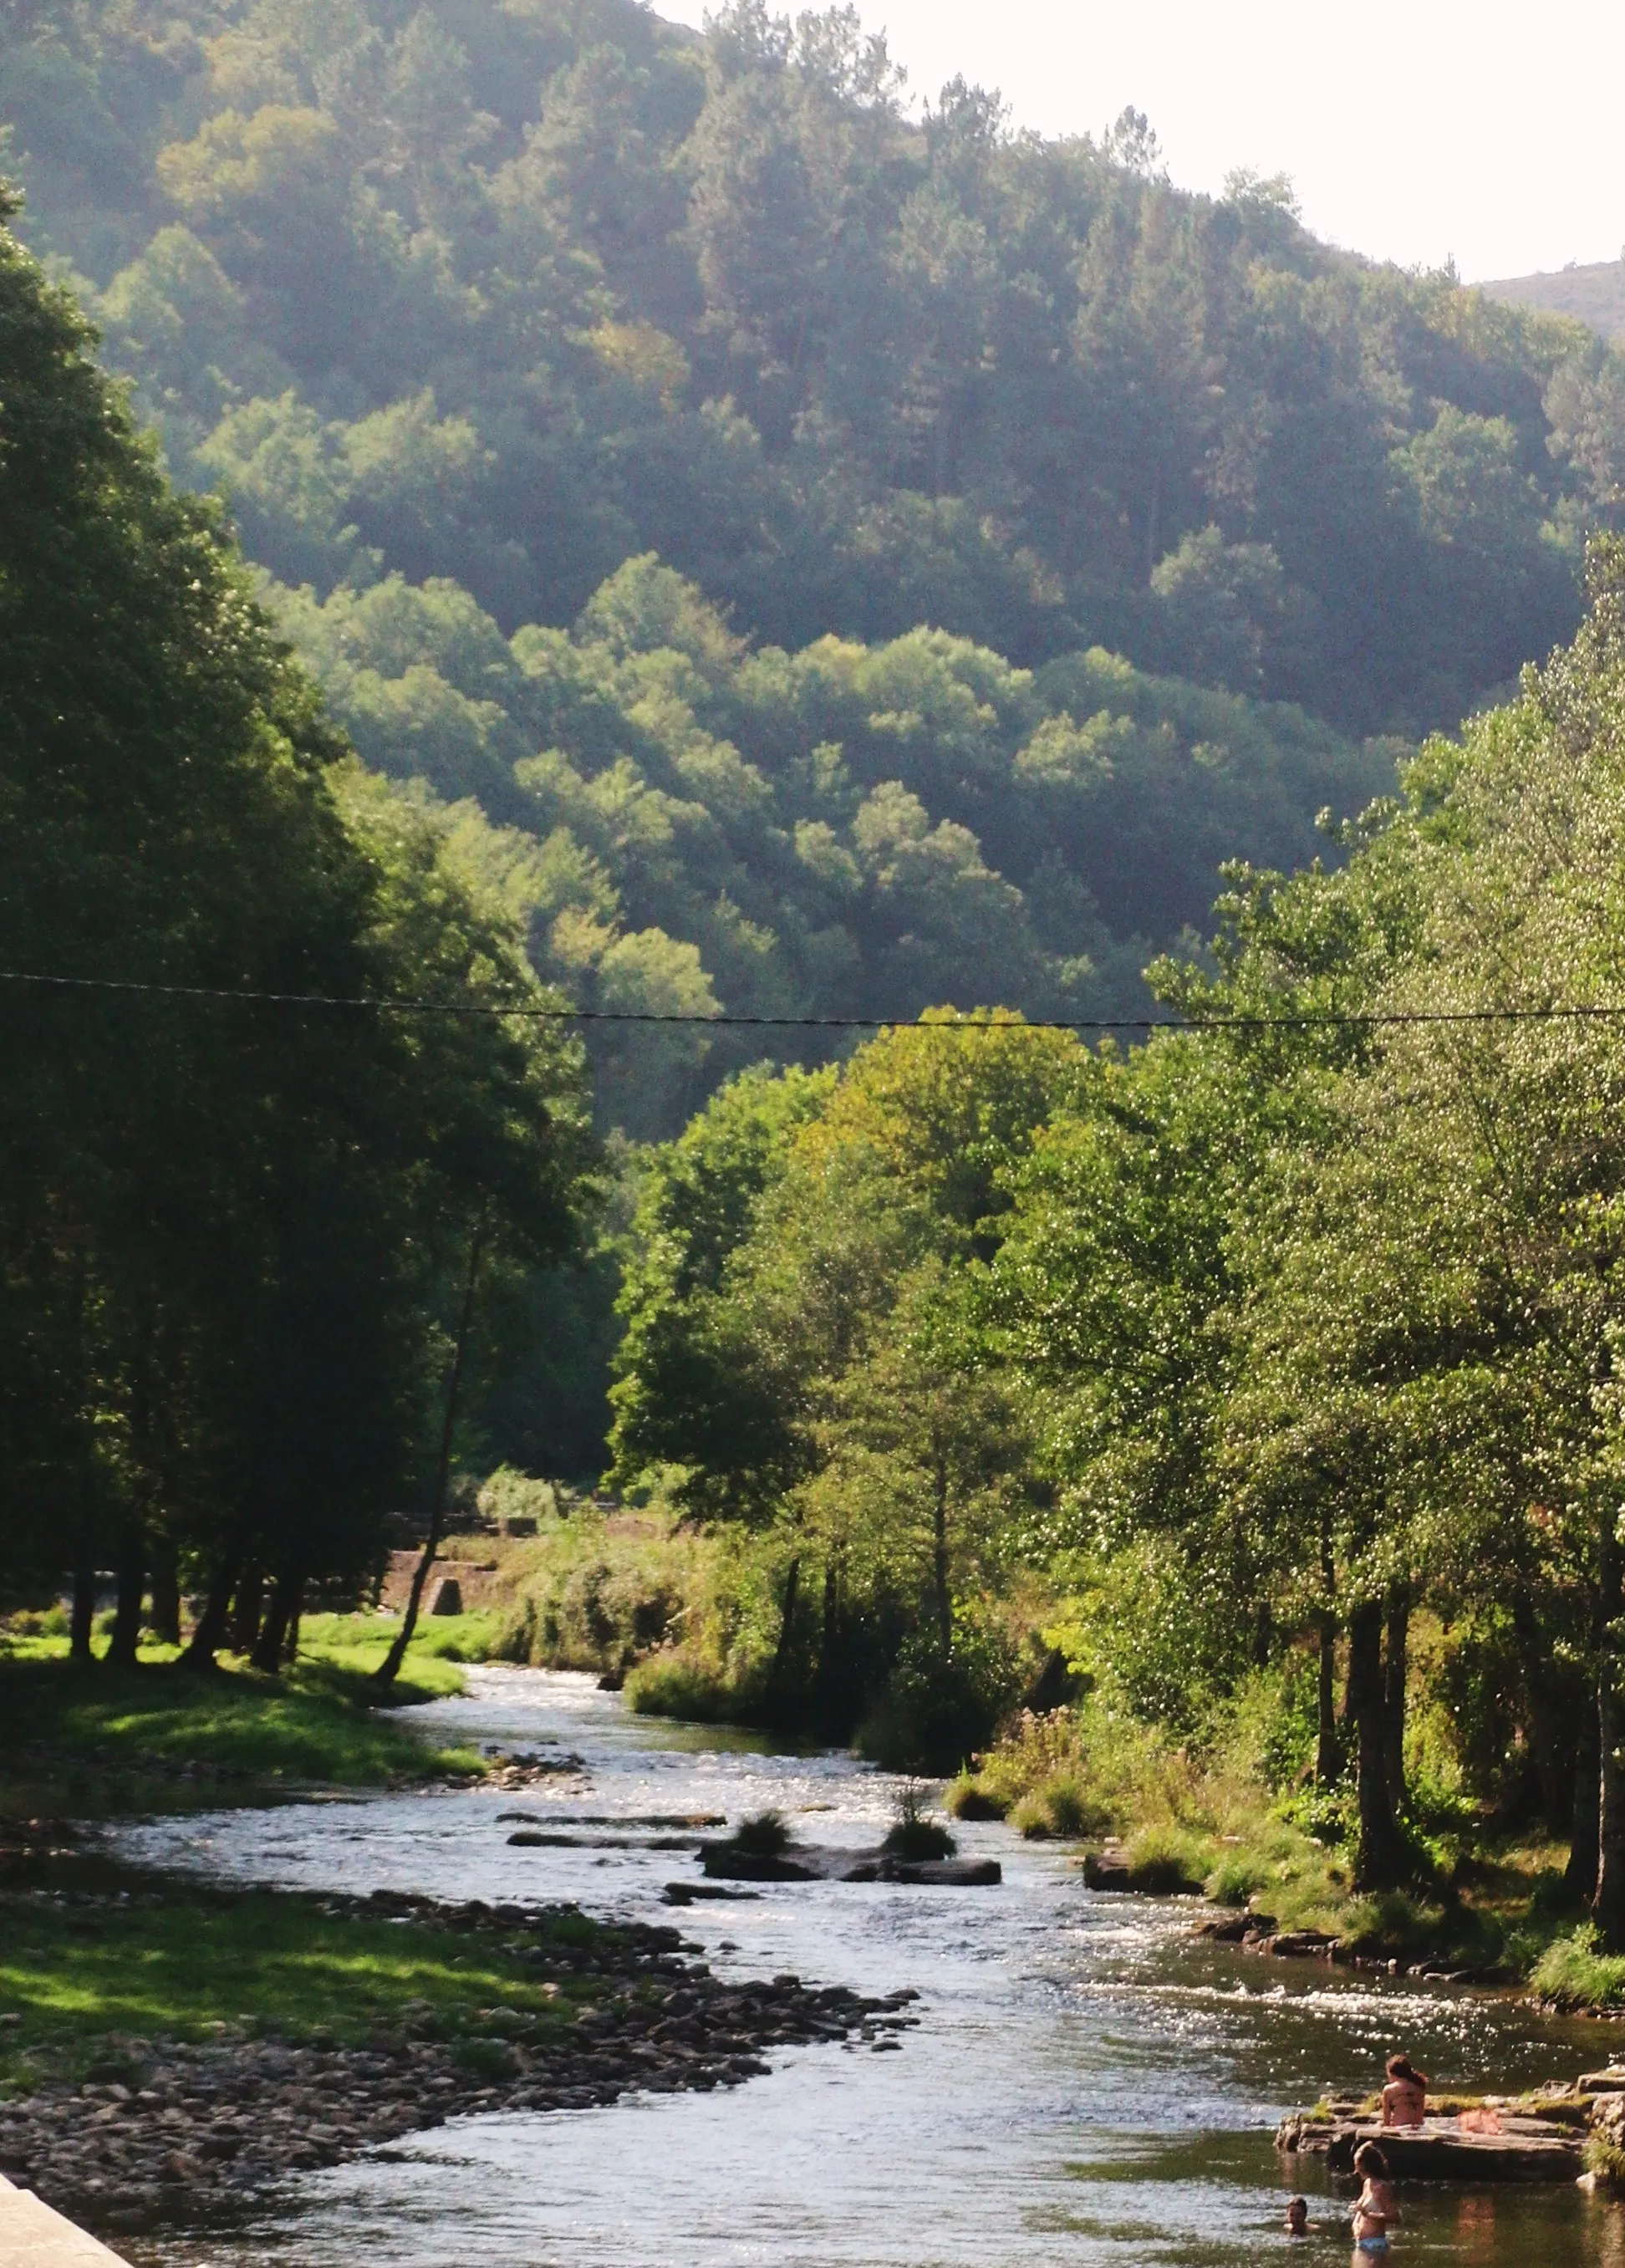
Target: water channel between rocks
x,y
1087,2085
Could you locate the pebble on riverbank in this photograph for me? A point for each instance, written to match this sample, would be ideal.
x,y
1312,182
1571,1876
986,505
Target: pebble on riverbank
x,y
200,2125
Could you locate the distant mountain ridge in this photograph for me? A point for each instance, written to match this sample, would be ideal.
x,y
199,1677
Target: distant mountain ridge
x,y
1593,294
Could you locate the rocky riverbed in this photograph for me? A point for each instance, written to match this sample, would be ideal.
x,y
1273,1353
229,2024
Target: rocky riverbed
x,y
192,2125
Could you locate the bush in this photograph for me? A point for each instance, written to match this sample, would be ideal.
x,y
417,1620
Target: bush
x,y
1164,1863
678,1685
1058,1806
1236,1879
967,1798
765,1835
915,1836
1571,1973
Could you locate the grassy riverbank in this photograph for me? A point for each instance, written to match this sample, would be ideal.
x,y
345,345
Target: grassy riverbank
x,y
96,1959
82,1741
1204,1818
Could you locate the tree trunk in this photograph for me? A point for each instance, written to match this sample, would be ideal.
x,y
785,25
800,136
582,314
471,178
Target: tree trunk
x,y
939,1554
209,1636
787,1624
1550,1747
132,1578
389,1669
247,1609
290,1648
1379,1862
1394,1668
1608,1902
268,1650
83,1622
1584,1827
165,1592
1328,1747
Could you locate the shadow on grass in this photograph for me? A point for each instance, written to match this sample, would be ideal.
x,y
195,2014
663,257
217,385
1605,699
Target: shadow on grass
x,y
93,1739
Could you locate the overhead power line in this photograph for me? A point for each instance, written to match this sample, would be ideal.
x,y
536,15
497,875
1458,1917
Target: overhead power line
x,y
549,1012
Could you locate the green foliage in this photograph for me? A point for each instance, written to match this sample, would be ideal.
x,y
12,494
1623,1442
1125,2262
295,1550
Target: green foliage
x,y
475,318
1164,1863
1573,1973
1236,1880
913,1835
529,294
233,1225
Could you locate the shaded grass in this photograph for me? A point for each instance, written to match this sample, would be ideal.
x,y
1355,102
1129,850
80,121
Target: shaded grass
x,y
94,1959
159,1737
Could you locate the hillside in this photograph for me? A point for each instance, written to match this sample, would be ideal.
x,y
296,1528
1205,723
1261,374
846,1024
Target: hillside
x,y
1593,295
737,485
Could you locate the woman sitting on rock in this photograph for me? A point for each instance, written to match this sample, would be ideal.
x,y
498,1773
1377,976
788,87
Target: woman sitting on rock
x,y
1405,2097
1375,2208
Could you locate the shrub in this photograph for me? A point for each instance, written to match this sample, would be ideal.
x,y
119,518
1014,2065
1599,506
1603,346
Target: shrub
x,y
765,1835
678,1685
1061,1807
1164,1863
1571,1973
966,1797
913,1836
1236,1879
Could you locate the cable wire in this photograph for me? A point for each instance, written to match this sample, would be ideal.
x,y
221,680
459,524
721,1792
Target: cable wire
x,y
552,1013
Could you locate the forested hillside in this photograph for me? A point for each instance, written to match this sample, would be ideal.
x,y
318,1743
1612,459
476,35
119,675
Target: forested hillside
x,y
466,307
1270,1342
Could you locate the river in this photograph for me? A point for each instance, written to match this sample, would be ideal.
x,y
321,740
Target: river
x,y
1088,2084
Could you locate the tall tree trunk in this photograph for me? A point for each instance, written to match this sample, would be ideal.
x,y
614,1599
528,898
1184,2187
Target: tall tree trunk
x,y
268,1650
247,1609
290,1645
787,1624
165,1592
389,1669
1395,1666
132,1580
939,1552
1329,1748
1378,1861
1328,1745
209,1635
1608,1901
1584,1827
82,1620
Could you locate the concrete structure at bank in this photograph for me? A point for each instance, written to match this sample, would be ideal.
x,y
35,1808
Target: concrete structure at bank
x,y
33,2236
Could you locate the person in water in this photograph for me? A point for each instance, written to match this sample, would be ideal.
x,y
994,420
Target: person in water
x,y
1298,2216
1405,2097
1374,2209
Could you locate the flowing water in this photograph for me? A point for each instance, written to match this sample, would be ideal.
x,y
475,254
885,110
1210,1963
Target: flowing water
x,y
1088,2085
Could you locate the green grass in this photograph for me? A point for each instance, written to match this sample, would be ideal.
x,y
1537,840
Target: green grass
x,y
93,1739
93,1960
440,1644
1571,1973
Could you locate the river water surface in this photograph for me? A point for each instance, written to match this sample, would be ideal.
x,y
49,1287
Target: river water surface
x,y
1087,2085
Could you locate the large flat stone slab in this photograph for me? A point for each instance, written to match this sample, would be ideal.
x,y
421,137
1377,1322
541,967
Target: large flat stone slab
x,y
1525,2150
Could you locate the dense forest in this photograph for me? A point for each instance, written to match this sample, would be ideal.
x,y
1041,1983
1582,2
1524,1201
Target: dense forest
x,y
466,307
718,538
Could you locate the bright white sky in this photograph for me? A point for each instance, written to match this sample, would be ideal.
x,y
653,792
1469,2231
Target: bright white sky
x,y
1415,131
